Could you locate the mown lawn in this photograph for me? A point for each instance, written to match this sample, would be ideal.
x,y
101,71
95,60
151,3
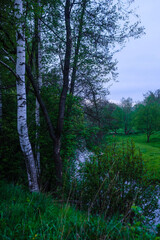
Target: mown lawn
x,y
150,151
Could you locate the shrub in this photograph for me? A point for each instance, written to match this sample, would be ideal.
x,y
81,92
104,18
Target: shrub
x,y
112,180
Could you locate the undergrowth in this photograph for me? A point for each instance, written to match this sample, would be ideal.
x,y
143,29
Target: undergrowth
x,y
37,216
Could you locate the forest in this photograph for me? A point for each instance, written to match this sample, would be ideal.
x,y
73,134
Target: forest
x,y
74,165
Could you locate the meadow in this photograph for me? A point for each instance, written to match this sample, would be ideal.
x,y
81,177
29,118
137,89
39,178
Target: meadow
x,y
150,151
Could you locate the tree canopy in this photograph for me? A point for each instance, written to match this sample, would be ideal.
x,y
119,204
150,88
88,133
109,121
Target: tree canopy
x,y
69,46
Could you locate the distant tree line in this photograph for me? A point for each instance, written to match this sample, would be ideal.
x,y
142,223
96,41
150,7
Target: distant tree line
x,y
127,117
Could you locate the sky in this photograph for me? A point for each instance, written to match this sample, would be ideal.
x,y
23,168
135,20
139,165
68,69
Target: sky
x,y
139,61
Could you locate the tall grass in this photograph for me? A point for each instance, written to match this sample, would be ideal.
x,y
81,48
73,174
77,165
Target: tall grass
x,y
36,216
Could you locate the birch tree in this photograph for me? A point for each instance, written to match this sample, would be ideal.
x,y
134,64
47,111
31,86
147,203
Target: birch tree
x,y
21,100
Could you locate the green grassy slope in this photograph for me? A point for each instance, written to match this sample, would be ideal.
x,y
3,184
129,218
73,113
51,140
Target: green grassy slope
x,y
36,216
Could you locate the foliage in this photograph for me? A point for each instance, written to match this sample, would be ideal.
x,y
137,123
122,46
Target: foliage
x,y
73,133
97,29
112,117
113,179
138,228
102,117
36,216
12,164
158,230
147,118
117,119
127,110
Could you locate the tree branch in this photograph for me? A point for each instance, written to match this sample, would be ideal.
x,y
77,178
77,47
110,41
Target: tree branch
x,y
52,30
11,70
10,57
41,103
36,91
8,87
8,37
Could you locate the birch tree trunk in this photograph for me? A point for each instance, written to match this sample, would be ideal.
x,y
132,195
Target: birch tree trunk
x,y
39,83
21,101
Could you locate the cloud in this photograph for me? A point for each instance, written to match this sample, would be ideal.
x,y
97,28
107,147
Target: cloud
x,y
139,62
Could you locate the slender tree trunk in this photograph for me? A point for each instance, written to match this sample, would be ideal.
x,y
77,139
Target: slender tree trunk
x,y
58,161
39,84
148,137
125,128
73,78
21,102
62,103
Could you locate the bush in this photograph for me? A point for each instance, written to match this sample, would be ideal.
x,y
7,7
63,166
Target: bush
x,y
112,180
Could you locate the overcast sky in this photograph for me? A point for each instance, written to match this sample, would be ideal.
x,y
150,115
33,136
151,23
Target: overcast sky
x,y
139,61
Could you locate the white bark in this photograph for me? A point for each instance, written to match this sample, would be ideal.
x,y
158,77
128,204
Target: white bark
x,y
37,110
21,101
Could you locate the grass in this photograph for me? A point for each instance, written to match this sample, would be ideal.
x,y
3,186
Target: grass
x,y
36,216
150,151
